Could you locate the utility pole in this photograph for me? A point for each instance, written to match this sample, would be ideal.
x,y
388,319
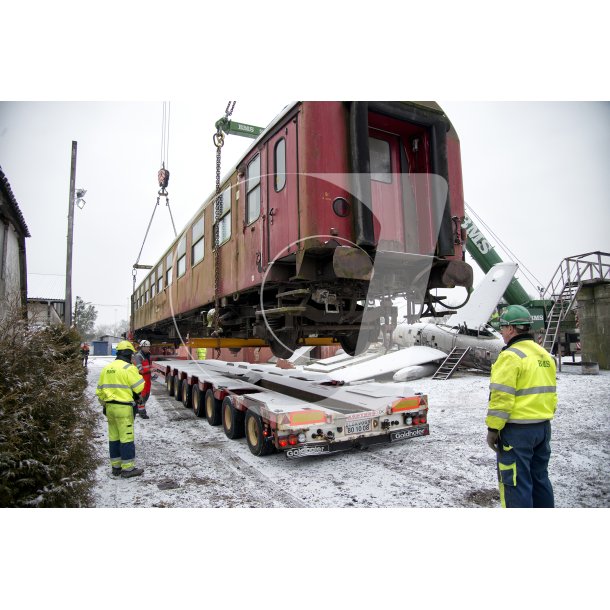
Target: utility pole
x,y
68,307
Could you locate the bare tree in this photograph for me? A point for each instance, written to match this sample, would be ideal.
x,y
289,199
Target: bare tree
x,y
84,318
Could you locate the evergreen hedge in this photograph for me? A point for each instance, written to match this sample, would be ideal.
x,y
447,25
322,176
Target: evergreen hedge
x,y
47,453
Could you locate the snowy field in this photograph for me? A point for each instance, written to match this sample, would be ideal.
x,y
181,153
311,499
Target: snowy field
x,y
190,464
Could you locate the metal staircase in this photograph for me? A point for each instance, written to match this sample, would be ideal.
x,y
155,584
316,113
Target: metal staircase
x,y
571,274
450,363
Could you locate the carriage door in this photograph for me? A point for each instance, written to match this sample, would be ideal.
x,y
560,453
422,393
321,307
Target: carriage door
x,y
386,190
282,201
252,192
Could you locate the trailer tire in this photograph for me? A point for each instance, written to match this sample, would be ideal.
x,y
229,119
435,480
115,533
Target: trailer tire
x,y
178,388
233,420
212,409
169,384
187,395
197,402
257,443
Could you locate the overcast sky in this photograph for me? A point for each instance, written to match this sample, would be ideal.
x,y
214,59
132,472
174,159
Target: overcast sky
x,y
535,172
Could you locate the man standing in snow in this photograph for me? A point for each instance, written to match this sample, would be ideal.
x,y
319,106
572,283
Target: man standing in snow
x,y
142,362
119,383
522,403
84,352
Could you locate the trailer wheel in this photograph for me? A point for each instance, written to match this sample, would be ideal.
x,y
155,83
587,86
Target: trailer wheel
x,y
197,402
212,409
187,395
169,384
233,420
178,388
257,443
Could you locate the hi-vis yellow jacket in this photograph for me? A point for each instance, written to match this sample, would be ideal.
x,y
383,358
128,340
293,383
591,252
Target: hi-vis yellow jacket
x,y
117,382
523,385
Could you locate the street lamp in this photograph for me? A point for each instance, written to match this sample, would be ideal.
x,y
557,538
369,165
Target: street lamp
x,y
80,202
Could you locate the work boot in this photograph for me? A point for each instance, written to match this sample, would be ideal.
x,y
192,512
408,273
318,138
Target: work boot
x,y
116,471
134,472
143,414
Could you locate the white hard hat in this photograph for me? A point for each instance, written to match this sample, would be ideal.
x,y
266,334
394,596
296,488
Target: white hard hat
x,y
144,343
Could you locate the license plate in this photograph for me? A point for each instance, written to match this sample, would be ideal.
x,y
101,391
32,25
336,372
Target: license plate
x,y
401,435
358,427
306,451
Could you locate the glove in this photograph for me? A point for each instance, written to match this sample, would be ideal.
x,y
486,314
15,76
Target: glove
x,y
135,410
104,410
492,439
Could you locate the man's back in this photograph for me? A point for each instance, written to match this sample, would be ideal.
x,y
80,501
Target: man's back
x,y
117,381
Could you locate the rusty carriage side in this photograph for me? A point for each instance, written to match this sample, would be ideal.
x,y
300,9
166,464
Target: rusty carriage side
x,y
326,192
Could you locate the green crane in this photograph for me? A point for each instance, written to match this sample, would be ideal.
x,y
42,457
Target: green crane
x,y
485,256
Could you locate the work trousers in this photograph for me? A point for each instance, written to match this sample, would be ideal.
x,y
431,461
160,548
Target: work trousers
x,y
120,435
524,451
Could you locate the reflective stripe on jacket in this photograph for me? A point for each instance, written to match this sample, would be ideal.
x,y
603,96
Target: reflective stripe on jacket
x,y
522,385
117,382
142,362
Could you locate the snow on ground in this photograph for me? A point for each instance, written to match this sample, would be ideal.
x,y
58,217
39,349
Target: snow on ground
x,y
188,463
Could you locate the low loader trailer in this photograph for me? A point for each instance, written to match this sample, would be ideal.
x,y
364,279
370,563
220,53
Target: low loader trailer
x,y
299,413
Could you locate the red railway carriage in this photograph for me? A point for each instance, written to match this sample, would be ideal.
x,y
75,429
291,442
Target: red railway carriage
x,y
334,210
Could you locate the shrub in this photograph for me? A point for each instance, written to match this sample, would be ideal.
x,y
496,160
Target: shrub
x,y
47,454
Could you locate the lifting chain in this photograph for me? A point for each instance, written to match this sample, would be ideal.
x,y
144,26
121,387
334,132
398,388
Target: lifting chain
x,y
163,179
219,140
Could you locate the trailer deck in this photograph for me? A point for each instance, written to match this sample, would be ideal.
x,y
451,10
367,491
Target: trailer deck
x,y
301,413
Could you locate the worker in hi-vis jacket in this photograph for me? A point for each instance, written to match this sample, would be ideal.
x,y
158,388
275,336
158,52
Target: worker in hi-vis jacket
x,y
118,391
522,403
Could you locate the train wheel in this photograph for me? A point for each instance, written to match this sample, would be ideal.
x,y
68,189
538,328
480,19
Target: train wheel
x,y
177,388
197,402
187,395
257,442
169,384
233,421
212,409
283,344
350,346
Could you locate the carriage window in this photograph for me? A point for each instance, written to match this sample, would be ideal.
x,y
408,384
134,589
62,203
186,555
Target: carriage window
x,y
253,190
381,167
146,287
168,272
159,279
280,165
224,216
197,241
152,285
181,256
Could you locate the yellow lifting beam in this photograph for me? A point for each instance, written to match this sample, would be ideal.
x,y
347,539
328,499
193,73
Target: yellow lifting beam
x,y
238,343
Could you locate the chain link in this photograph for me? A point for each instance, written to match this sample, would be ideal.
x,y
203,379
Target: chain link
x,y
219,140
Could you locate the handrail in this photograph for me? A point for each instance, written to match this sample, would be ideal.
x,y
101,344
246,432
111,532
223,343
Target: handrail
x,y
571,273
573,270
